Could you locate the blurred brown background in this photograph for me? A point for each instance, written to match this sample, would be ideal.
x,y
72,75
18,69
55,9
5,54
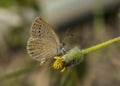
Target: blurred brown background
x,y
87,22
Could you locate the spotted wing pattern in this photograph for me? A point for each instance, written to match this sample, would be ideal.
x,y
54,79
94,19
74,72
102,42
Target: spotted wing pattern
x,y
43,43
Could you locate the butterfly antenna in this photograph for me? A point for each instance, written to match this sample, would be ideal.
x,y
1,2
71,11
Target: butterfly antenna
x,y
67,36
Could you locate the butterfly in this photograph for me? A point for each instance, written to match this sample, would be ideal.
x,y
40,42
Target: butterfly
x,y
43,43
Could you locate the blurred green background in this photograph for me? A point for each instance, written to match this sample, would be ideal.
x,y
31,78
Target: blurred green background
x,y
87,22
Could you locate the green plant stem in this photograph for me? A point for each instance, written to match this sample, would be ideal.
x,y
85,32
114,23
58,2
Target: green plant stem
x,y
75,55
98,46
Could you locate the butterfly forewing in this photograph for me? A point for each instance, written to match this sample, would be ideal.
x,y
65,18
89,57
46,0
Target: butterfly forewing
x,y
40,29
43,43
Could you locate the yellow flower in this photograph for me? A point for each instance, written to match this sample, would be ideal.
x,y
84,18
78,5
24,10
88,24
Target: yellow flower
x,y
58,64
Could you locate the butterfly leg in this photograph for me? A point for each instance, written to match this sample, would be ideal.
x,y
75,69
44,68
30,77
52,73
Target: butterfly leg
x,y
42,61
